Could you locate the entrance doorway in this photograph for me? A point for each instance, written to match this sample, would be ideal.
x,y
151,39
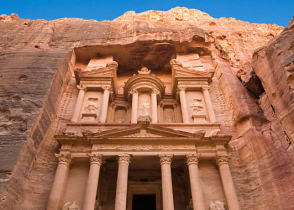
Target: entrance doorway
x,y
144,202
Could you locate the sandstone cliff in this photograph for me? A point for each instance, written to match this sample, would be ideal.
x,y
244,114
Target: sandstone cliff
x,y
36,66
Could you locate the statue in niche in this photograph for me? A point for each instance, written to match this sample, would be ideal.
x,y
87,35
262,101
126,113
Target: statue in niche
x,y
217,205
144,108
144,70
70,206
197,106
92,106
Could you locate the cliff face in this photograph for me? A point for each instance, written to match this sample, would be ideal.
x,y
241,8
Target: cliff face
x,y
37,61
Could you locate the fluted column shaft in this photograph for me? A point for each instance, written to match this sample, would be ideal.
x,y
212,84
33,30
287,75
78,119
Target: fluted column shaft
x,y
154,106
105,104
92,183
209,105
228,184
59,181
166,180
183,100
122,182
134,106
197,195
79,104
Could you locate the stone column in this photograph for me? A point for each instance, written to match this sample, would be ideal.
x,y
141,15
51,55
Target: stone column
x,y
60,179
122,182
197,195
185,114
154,106
166,180
104,108
92,183
227,181
79,104
208,104
134,106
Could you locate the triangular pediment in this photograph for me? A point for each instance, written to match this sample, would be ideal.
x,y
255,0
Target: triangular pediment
x,y
150,131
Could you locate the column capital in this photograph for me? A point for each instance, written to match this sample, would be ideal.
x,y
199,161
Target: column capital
x,y
81,87
95,158
222,159
192,159
106,87
124,159
205,87
64,158
133,91
155,91
181,88
165,159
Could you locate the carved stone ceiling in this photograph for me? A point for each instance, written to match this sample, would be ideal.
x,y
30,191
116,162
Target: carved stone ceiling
x,y
154,55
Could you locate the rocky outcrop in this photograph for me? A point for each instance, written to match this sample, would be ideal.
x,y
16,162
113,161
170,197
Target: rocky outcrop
x,y
36,66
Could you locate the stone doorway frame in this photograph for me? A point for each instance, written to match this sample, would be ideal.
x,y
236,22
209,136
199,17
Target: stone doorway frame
x,y
141,188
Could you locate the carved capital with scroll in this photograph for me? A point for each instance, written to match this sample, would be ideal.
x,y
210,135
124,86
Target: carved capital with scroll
x,y
81,87
192,159
165,159
64,158
222,159
124,159
106,87
95,158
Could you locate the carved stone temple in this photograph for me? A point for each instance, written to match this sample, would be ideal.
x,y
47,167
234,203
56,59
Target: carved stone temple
x,y
151,111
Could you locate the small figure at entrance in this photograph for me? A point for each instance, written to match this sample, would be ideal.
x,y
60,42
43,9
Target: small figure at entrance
x,y
217,205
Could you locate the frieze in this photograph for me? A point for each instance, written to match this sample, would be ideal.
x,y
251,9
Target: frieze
x,y
131,147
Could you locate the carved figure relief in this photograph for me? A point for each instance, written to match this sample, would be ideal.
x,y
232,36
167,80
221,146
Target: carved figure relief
x,y
144,104
92,106
144,108
217,205
70,206
197,106
91,109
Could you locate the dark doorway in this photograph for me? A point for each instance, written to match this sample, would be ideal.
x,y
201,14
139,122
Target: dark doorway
x,y
144,202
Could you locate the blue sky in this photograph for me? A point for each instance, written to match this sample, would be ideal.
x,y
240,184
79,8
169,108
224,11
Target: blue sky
x,y
259,11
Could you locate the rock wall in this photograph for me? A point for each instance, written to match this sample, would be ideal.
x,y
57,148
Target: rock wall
x,y
37,59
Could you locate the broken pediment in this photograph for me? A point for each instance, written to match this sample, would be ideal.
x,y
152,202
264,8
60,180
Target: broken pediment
x,y
178,70
97,69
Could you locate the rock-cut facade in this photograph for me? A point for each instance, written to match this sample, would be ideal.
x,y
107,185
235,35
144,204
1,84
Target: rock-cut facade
x,y
170,110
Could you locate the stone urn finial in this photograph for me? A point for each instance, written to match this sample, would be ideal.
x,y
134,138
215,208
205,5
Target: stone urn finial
x,y
144,70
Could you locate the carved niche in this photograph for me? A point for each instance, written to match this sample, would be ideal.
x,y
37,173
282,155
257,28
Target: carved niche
x,y
120,114
169,114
